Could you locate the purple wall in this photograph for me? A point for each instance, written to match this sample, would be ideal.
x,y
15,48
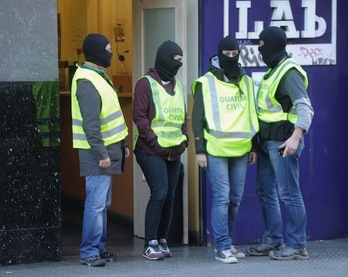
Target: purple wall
x,y
324,175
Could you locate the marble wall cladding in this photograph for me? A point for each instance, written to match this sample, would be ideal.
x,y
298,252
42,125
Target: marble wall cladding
x,y
30,217
29,40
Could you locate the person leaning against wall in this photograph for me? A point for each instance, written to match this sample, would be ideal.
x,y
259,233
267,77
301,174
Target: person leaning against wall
x,y
285,114
159,113
99,132
224,122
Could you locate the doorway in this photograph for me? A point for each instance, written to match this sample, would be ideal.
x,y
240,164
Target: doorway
x,y
155,22
112,18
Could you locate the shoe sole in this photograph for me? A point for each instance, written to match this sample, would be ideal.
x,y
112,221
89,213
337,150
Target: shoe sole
x,y
153,259
167,254
258,253
290,258
93,265
109,259
239,256
264,253
226,261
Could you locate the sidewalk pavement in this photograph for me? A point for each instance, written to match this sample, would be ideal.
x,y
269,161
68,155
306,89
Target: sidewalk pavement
x,y
327,258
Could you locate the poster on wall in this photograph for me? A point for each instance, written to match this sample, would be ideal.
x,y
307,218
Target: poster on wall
x,y
310,26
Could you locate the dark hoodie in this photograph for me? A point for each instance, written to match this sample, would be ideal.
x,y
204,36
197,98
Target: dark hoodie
x,y
144,111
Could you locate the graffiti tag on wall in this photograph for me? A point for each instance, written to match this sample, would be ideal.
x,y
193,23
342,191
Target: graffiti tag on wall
x,y
304,54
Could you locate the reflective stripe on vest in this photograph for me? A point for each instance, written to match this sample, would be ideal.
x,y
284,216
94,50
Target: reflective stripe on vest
x,y
231,116
170,114
112,124
269,109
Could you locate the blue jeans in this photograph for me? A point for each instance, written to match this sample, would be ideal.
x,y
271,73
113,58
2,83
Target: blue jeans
x,y
280,176
98,200
227,179
162,177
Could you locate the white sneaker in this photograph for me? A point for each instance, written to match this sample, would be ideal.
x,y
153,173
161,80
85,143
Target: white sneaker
x,y
237,254
152,252
225,256
163,247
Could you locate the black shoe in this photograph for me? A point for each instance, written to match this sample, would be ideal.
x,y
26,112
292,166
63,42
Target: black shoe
x,y
263,249
109,257
93,261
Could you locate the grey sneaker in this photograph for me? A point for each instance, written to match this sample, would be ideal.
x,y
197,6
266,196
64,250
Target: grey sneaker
x,y
93,261
226,257
263,249
287,253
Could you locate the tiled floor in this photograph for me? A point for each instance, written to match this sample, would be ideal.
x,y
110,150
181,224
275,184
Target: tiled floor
x,y
328,258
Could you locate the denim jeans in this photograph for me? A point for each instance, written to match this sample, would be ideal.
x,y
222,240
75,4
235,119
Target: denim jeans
x,y
280,176
162,177
227,179
98,200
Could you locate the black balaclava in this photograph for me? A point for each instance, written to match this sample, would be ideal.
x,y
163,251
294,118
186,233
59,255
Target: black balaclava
x,y
94,50
165,64
229,64
273,50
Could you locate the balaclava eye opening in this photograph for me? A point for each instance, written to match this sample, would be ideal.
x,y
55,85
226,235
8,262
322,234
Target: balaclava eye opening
x,y
165,64
273,49
94,50
229,64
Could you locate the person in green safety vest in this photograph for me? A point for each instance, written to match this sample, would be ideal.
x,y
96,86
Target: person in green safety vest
x,y
225,125
99,132
159,113
285,114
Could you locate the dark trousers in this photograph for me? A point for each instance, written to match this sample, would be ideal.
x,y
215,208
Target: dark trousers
x,y
162,176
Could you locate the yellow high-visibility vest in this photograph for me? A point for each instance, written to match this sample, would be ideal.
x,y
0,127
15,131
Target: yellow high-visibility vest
x,y
230,112
269,109
113,127
170,114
